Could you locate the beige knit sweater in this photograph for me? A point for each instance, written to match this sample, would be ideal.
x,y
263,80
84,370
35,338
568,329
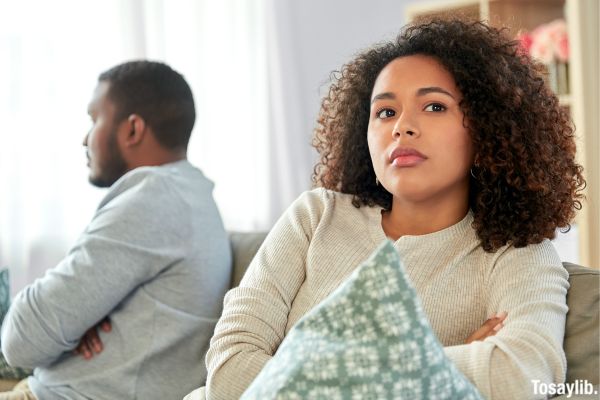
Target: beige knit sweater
x,y
322,238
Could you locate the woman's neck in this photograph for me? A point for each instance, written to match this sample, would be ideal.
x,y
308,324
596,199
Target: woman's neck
x,y
420,219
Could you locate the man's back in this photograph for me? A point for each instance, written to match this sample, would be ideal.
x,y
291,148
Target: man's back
x,y
156,260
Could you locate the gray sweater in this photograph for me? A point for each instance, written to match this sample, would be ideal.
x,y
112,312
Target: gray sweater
x,y
156,260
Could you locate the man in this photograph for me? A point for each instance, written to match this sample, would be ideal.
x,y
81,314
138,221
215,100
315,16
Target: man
x,y
154,261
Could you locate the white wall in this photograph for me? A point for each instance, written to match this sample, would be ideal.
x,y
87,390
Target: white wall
x,y
314,38
326,34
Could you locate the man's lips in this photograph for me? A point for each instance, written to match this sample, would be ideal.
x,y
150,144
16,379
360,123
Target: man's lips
x,y
406,157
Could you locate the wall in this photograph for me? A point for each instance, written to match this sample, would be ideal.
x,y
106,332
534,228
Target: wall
x,y
311,39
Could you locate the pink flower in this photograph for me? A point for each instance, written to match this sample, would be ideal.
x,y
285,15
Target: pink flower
x,y
525,41
560,39
550,42
541,47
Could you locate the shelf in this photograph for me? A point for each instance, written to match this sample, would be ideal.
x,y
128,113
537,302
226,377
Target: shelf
x,y
515,15
565,99
583,99
527,15
468,8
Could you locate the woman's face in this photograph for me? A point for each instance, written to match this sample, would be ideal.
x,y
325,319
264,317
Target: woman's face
x,y
420,149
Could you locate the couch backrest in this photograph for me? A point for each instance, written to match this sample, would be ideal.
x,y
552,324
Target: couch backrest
x,y
581,342
244,246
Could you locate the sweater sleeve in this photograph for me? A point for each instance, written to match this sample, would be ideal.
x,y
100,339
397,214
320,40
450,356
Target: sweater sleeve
x,y
531,285
255,314
118,252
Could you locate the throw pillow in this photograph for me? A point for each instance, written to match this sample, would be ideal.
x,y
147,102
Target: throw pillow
x,y
6,371
4,293
369,339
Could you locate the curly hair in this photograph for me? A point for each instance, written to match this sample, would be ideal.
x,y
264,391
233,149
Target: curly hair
x,y
524,182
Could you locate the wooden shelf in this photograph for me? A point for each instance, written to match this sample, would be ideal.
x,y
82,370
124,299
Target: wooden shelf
x,y
583,101
469,8
565,99
527,15
515,15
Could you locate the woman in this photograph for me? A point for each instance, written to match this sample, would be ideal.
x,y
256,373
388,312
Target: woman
x,y
447,142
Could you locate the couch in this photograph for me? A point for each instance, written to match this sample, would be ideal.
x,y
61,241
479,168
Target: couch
x,y
582,340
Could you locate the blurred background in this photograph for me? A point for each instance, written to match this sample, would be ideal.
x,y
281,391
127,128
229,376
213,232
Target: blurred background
x,y
258,69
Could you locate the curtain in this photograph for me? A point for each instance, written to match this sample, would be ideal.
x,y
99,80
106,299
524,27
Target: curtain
x,y
50,56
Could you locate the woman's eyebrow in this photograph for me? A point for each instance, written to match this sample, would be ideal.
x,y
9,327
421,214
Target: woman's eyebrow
x,y
384,95
433,89
420,92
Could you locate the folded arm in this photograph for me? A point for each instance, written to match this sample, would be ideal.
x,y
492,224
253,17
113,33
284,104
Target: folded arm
x,y
531,285
114,256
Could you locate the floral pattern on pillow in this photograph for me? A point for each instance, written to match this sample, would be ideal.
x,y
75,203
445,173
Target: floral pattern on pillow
x,y
369,339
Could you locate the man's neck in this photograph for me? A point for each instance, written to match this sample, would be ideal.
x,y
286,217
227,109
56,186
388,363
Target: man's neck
x,y
156,158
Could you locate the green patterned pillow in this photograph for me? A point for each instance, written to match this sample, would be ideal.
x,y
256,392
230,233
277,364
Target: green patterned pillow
x,y
4,293
6,371
369,339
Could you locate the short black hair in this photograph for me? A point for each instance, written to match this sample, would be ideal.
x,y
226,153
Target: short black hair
x,y
157,93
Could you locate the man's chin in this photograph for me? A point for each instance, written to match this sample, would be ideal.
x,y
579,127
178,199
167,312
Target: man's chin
x,y
99,181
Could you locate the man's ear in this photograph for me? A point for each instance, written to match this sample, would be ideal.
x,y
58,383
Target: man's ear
x,y
137,130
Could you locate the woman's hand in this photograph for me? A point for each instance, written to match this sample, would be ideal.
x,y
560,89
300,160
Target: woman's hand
x,y
489,327
90,342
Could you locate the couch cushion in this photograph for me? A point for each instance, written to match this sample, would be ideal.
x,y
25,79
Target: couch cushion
x,y
244,246
581,342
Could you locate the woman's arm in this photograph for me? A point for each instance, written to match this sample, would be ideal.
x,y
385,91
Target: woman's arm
x,y
255,314
531,285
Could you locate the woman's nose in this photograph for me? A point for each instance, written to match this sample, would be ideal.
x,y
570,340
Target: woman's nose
x,y
405,125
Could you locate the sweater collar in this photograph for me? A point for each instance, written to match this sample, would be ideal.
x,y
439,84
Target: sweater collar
x,y
459,230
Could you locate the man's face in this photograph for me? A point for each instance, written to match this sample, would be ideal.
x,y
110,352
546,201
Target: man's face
x,y
105,159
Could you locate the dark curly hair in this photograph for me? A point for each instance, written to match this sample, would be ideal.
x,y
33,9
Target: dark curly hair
x,y
158,94
525,182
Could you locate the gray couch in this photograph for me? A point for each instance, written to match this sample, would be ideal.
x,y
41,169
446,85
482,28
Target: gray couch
x,y
581,341
583,320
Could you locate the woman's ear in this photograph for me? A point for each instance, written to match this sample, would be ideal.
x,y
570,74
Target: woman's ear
x,y
137,130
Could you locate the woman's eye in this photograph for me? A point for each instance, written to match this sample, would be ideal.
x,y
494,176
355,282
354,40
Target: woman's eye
x,y
385,113
435,107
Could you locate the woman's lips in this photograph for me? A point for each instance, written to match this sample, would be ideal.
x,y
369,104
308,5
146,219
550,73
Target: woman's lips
x,y
406,157
407,161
